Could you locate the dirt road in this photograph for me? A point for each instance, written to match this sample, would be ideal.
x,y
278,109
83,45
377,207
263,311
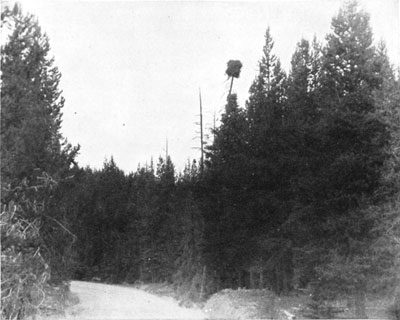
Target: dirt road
x,y
101,301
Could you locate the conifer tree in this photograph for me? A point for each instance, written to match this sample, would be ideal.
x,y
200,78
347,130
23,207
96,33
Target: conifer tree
x,y
299,86
352,153
189,274
271,158
144,198
227,181
34,159
31,104
164,222
387,247
301,128
257,106
32,148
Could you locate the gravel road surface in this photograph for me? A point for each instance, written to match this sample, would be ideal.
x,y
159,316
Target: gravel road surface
x,y
102,301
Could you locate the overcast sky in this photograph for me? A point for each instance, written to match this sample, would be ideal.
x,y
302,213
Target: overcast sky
x,y
131,70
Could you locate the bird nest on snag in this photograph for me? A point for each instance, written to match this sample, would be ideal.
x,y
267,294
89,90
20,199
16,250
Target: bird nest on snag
x,y
234,67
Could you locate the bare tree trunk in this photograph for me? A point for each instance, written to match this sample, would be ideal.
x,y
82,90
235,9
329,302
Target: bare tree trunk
x,y
252,285
285,285
203,281
359,303
230,89
201,135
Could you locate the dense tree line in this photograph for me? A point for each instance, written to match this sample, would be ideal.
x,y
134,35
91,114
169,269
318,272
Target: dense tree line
x,y
299,188
299,174
294,189
145,226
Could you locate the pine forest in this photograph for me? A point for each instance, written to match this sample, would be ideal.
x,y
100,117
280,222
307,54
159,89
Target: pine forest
x,y
296,192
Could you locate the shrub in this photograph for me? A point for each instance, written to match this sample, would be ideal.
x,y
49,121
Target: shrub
x,y
24,272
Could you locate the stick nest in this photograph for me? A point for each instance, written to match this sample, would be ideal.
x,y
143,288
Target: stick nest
x,y
234,67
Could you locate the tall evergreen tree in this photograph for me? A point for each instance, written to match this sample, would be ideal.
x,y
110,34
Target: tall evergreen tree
x,y
387,248
190,275
32,148
34,159
165,234
227,180
300,85
264,91
270,160
31,104
351,156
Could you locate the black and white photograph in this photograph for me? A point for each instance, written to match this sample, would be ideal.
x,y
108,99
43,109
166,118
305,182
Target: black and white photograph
x,y
200,159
